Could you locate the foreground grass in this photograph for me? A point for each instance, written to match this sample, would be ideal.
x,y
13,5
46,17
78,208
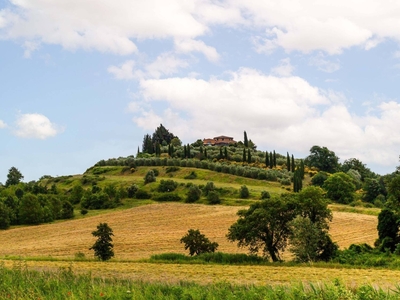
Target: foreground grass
x,y
19,282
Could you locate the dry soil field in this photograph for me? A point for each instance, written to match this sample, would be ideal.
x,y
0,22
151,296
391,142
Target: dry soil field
x,y
157,228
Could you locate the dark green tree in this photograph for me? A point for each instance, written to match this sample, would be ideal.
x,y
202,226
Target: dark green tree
x,y
193,194
355,164
388,229
372,189
265,226
339,188
162,136
248,156
293,166
271,160
198,243
244,154
226,153
188,151
244,192
67,210
266,159
319,178
5,216
245,140
149,177
103,247
297,181
148,146
288,161
14,177
30,210
274,159
323,159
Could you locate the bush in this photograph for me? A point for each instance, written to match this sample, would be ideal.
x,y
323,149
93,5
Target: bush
x,y
208,188
265,195
167,186
84,211
168,197
142,194
192,175
213,198
244,192
132,190
149,177
171,169
193,194
197,243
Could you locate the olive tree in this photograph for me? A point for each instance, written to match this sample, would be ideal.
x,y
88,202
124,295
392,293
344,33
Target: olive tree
x,y
198,243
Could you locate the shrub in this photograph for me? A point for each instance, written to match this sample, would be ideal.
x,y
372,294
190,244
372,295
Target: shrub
x,y
213,198
171,169
142,194
193,194
198,243
84,211
244,192
168,197
192,175
167,186
285,181
149,177
208,188
132,190
265,195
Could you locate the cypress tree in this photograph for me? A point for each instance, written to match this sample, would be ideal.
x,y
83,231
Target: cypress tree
x,y
274,159
302,169
287,161
245,140
184,151
220,153
226,153
205,152
293,165
271,160
244,154
248,156
266,159
188,150
201,150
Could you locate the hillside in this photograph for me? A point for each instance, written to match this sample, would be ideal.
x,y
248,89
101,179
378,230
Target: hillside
x,y
156,228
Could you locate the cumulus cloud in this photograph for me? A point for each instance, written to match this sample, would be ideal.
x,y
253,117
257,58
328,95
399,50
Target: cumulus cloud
x,y
277,112
324,64
190,45
35,126
284,68
124,71
2,124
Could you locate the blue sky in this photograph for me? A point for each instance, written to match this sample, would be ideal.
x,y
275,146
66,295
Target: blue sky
x,y
83,81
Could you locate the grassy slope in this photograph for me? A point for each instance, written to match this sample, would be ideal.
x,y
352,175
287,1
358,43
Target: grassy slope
x,y
143,230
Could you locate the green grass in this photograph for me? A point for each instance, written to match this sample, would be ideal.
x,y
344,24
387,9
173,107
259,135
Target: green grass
x,y
21,283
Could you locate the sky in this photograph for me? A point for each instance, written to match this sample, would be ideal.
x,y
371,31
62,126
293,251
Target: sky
x,y
84,80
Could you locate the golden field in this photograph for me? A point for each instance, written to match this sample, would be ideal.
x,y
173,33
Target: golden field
x,y
157,228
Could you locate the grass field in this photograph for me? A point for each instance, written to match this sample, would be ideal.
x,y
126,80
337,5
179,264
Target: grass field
x,y
156,228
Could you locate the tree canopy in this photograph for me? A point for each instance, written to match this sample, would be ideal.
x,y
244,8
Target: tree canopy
x,y
323,159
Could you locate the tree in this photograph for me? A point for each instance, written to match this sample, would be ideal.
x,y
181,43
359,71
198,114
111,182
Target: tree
x,y
248,156
355,164
323,159
265,226
274,156
5,216
198,243
103,247
162,136
314,206
293,167
193,194
244,192
30,211
244,155
147,146
14,177
340,188
266,159
245,140
67,210
288,161
388,229
372,189
319,178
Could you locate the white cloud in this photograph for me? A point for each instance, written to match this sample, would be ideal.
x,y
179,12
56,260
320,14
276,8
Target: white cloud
x,y
165,64
2,124
30,46
323,64
35,126
190,45
284,113
284,68
124,71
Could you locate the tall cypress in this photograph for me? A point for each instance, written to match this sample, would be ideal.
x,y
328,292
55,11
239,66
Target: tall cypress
x,y
248,156
293,164
287,161
188,150
302,169
244,154
245,140
226,152
220,153
271,160
266,159
205,152
184,151
274,159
